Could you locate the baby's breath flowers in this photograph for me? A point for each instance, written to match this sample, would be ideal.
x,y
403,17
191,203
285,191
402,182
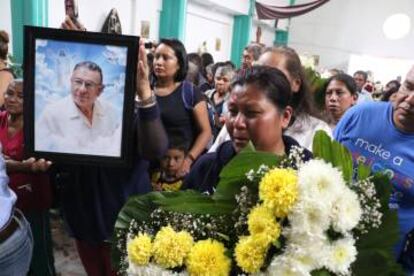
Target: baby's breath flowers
x,y
370,205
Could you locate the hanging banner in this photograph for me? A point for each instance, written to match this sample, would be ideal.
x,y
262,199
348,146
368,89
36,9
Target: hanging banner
x,y
274,12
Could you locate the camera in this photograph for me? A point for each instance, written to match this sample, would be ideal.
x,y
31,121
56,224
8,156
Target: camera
x,y
148,45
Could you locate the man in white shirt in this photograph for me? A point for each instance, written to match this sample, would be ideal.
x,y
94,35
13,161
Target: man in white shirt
x,y
82,122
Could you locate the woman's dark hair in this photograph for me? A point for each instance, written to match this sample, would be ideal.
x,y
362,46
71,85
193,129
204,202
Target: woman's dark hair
x,y
273,83
4,44
181,55
301,101
345,79
206,59
229,63
393,87
196,59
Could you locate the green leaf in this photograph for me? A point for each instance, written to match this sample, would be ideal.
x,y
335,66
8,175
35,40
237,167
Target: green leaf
x,y
363,171
320,272
233,175
375,252
376,263
333,152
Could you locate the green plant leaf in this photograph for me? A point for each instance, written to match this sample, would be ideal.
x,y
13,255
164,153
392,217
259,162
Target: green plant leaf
x,y
363,171
320,272
333,152
375,252
233,175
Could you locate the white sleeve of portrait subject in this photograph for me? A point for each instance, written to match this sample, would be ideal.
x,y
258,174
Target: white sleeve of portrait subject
x,y
45,129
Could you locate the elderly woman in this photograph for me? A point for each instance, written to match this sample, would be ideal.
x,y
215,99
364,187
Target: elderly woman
x,y
217,97
183,110
340,94
33,189
258,111
6,75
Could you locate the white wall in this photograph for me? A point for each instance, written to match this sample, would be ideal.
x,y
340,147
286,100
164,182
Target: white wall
x,y
149,11
341,28
6,21
93,14
235,7
203,24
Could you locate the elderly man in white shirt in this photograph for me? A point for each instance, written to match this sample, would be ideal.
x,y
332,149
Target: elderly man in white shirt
x,y
79,121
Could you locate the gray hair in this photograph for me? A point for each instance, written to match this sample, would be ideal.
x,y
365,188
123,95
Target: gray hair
x,y
91,66
255,49
225,70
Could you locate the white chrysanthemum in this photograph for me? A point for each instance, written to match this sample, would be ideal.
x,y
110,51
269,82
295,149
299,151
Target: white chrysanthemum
x,y
311,255
319,180
286,265
342,255
151,270
346,211
310,216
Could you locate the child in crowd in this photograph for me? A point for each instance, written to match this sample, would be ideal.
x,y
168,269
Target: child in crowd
x,y
167,177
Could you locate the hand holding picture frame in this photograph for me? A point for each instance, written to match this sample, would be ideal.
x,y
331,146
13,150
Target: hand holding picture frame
x,y
79,94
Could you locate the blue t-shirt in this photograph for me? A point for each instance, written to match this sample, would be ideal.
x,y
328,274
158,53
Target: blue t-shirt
x,y
368,131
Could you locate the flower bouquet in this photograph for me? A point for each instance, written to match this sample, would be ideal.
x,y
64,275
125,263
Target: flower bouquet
x,y
268,216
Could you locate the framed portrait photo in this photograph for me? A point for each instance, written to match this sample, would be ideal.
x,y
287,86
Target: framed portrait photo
x,y
79,90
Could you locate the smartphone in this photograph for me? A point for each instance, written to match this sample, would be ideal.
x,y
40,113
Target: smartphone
x,y
71,9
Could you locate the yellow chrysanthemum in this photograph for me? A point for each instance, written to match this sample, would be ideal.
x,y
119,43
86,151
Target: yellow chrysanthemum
x,y
139,249
250,253
207,257
261,221
279,190
171,248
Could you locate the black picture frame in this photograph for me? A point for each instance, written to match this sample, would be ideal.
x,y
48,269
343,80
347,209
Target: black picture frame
x,y
54,126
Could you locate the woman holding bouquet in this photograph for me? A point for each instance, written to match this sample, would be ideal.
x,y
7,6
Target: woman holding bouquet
x,y
259,112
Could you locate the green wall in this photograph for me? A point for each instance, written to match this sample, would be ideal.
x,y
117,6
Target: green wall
x,y
172,19
33,12
242,26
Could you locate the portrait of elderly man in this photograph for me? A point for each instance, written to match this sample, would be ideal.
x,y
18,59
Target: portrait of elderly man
x,y
81,121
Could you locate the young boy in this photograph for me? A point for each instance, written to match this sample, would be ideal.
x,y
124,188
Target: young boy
x,y
166,179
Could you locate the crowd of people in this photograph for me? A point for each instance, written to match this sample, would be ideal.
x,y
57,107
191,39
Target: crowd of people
x,y
193,115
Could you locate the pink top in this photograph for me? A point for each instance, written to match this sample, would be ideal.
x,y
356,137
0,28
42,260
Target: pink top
x,y
32,189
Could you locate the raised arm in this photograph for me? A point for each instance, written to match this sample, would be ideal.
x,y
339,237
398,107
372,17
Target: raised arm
x,y
151,137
